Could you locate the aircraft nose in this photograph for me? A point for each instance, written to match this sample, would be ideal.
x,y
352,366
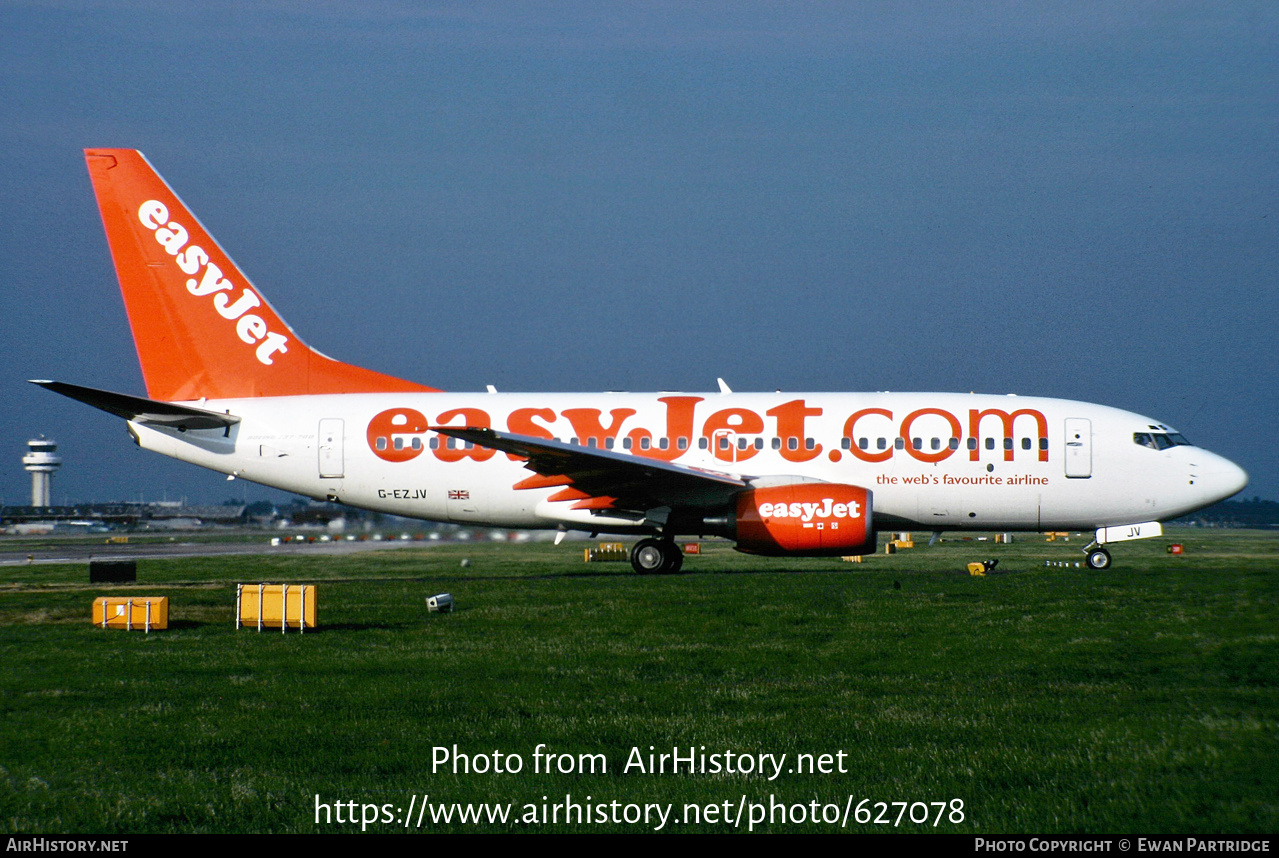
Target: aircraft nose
x,y
1222,478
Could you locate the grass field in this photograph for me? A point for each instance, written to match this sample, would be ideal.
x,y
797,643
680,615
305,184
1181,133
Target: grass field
x,y
1142,700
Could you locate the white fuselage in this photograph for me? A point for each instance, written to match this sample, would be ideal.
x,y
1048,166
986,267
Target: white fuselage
x,y
933,460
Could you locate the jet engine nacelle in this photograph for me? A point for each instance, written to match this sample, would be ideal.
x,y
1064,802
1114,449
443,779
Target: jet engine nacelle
x,y
805,518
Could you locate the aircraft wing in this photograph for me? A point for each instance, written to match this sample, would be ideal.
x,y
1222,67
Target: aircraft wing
x,y
604,479
143,410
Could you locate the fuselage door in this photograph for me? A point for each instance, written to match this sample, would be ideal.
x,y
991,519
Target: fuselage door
x,y
332,463
1078,447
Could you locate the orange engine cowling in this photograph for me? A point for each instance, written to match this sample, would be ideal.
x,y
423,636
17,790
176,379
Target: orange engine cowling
x,y
805,518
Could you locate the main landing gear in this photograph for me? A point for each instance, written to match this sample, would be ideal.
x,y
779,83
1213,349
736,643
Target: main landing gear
x,y
656,557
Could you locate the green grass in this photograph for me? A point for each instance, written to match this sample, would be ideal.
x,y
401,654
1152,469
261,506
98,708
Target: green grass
x,y
1143,699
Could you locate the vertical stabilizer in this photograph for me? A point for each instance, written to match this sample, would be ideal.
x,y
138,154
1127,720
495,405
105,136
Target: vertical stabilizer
x,y
202,330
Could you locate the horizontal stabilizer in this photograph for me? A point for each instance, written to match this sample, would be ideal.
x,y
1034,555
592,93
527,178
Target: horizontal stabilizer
x,y
143,410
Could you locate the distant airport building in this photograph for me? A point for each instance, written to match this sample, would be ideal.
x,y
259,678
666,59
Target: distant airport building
x,y
41,460
145,516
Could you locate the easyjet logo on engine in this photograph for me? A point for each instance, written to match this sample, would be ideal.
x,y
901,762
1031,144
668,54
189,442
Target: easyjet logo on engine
x,y
826,508
808,518
251,328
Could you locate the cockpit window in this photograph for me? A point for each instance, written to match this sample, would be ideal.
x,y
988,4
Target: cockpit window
x,y
1159,440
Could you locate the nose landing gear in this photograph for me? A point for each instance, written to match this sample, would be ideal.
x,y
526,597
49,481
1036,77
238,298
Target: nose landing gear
x,y
1098,558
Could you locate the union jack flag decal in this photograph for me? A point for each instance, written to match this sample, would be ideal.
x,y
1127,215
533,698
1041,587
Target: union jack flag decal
x,y
459,494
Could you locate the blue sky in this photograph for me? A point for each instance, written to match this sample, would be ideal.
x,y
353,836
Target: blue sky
x,y
1061,199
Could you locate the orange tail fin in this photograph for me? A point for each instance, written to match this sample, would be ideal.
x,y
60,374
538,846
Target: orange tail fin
x,y
202,330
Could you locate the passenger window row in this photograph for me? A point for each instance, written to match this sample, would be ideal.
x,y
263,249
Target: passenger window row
x,y
952,443
1145,439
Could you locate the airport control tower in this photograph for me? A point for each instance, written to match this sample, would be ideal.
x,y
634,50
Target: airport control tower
x,y
42,460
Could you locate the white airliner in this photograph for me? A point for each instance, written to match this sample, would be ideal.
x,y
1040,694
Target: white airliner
x,y
230,387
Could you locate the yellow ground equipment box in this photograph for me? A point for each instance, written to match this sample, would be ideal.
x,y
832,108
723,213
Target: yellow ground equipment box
x,y
135,613
275,606
606,551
